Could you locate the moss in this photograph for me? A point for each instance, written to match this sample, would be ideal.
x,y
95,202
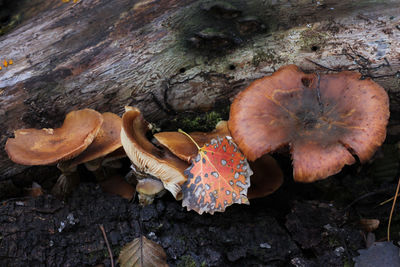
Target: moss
x,y
187,261
197,121
203,122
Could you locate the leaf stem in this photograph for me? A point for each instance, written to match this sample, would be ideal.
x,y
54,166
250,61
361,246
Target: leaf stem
x,y
191,139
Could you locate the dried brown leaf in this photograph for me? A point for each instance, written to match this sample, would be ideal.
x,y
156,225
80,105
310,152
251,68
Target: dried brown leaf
x,y
142,252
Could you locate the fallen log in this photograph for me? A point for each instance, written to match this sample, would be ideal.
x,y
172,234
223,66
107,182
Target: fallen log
x,y
169,57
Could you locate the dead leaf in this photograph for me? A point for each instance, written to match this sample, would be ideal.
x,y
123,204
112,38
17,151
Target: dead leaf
x,y
218,177
142,252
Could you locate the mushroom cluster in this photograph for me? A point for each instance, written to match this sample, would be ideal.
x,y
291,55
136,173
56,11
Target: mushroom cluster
x,y
327,120
86,137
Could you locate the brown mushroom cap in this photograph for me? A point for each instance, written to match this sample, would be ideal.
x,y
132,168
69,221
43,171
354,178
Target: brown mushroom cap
x,y
148,158
106,141
323,118
49,146
267,177
182,147
119,186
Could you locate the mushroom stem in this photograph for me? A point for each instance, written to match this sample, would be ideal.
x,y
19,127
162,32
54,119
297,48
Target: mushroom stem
x,y
96,168
68,181
191,139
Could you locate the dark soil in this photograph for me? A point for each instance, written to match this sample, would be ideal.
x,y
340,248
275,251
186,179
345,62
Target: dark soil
x,y
299,225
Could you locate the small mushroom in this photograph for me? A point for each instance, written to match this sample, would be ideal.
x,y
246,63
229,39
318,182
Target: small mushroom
x,y
35,190
267,177
52,146
326,120
146,157
181,146
116,184
148,188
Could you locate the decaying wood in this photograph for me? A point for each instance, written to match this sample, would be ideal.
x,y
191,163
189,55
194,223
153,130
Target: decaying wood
x,y
107,54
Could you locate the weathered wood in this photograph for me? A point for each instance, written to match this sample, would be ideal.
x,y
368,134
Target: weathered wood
x,y
107,54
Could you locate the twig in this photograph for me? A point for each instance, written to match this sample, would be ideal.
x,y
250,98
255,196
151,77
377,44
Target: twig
x,y
108,244
362,197
392,210
387,201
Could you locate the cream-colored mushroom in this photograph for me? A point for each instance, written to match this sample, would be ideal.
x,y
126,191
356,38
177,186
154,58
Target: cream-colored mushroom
x,y
148,188
148,158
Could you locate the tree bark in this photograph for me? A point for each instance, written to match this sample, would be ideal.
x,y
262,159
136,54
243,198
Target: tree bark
x,y
107,54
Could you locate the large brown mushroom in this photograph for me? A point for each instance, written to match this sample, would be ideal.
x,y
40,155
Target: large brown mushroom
x,y
326,120
146,157
52,146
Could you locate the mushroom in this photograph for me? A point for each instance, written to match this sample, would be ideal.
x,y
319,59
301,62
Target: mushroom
x,y
107,140
148,188
181,146
52,146
105,149
146,157
267,176
112,159
326,120
116,184
35,190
